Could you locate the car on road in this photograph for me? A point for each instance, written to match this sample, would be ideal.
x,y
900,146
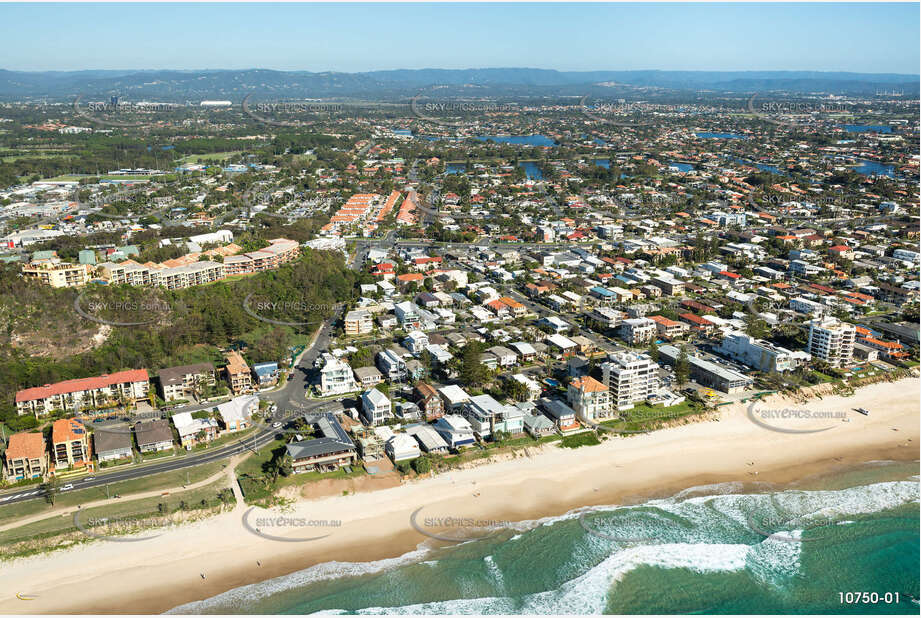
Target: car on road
x,y
67,487
276,425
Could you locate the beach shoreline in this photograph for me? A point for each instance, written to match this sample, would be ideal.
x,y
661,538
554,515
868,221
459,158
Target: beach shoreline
x,y
160,574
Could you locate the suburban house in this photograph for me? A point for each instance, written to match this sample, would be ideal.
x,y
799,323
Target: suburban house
x,y
402,447
112,443
391,365
428,438
25,457
415,342
562,415
368,377
454,430
184,382
238,374
266,373
538,425
194,431
429,402
454,397
153,436
327,453
534,389
237,413
375,407
84,393
70,445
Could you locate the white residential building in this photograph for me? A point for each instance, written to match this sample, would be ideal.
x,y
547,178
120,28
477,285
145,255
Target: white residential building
x,y
631,377
638,331
336,376
589,398
375,407
831,340
759,354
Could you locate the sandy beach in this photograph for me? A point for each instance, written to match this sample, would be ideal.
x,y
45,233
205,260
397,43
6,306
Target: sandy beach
x,y
154,575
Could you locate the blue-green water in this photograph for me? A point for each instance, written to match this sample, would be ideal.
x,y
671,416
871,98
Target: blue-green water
x,y
704,550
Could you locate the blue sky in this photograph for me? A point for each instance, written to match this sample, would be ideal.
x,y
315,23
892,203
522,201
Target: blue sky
x,y
873,38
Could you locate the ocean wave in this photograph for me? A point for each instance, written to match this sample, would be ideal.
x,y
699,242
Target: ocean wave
x,y
239,597
702,533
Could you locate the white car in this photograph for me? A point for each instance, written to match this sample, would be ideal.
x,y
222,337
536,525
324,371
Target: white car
x,y
276,425
67,487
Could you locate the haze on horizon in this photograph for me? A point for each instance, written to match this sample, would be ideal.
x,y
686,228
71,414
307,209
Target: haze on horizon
x,y
367,37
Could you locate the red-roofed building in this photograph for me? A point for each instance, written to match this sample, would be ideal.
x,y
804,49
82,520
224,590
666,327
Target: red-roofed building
x,y
697,323
842,251
70,445
669,329
25,457
84,393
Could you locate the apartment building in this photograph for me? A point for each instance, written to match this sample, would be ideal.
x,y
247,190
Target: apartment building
x,y
336,376
70,445
128,272
25,457
198,273
237,373
669,329
638,331
831,340
84,393
57,274
706,373
279,251
759,354
589,398
358,322
631,378
185,381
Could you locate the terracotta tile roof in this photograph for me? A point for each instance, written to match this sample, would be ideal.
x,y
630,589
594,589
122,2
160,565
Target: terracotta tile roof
x,y
67,430
589,384
81,384
25,446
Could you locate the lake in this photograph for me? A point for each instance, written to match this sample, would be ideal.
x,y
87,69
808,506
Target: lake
x,y
872,168
521,140
721,135
531,170
681,167
866,128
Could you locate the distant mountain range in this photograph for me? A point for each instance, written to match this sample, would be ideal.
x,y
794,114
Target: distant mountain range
x,y
404,83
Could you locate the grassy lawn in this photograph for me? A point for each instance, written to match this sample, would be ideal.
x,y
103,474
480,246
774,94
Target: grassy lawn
x,y
209,157
164,480
587,438
145,512
644,417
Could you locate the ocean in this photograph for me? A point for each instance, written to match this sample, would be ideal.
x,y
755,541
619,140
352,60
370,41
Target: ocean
x,y
723,549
